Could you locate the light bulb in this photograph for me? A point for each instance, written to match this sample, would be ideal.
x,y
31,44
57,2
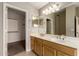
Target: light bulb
x,y
50,8
35,25
33,17
54,6
43,12
47,12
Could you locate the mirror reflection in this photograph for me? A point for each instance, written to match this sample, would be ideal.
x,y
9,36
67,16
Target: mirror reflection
x,y
63,22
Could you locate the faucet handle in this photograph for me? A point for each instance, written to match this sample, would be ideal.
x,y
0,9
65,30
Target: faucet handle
x,y
62,37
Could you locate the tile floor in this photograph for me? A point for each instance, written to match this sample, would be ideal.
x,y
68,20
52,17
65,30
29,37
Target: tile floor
x,y
24,53
15,48
18,49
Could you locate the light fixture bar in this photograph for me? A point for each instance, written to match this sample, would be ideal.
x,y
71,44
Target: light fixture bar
x,y
53,7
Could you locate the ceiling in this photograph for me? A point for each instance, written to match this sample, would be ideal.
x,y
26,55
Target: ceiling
x,y
38,5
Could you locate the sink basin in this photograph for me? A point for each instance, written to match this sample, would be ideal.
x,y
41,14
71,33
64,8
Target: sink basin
x,y
60,40
42,34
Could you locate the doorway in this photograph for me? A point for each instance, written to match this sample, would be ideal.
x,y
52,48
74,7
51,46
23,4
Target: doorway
x,y
16,31
77,26
48,21
5,26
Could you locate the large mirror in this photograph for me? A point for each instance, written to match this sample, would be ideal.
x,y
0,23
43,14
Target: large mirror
x,y
64,22
35,24
54,23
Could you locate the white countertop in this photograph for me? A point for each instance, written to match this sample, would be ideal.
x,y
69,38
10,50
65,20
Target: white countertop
x,y
68,41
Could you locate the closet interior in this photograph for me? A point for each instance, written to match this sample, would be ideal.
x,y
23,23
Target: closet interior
x,y
16,31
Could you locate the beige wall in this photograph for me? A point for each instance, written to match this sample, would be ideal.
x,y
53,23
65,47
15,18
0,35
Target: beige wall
x,y
1,29
70,16
77,11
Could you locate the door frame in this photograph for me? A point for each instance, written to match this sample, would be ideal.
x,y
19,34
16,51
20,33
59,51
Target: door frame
x,y
5,26
75,26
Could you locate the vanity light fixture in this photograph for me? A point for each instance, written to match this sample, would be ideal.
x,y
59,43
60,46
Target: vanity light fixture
x,y
52,8
44,12
55,6
47,11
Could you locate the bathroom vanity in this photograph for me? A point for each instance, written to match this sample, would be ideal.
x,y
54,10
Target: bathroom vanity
x,y
50,45
53,26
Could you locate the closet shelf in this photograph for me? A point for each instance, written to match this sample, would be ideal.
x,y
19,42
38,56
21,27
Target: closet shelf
x,y
12,19
13,31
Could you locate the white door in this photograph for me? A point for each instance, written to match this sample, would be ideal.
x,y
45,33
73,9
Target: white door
x,y
77,26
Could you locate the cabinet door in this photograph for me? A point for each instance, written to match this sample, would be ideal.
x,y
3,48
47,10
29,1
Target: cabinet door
x,y
61,54
48,51
38,47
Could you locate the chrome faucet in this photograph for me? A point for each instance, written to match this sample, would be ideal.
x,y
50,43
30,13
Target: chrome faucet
x,y
60,37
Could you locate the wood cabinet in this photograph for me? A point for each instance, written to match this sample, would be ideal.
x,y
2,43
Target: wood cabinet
x,y
46,48
38,47
47,51
58,53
